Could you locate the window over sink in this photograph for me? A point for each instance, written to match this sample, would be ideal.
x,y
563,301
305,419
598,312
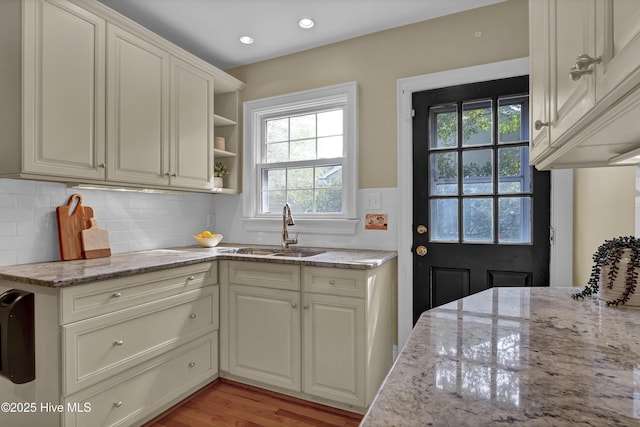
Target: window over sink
x,y
301,149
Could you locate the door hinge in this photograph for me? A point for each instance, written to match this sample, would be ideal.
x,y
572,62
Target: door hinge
x,y
413,112
552,234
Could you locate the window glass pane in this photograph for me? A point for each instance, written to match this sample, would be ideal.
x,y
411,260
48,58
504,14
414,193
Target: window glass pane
x,y
512,113
443,126
274,179
330,147
444,173
300,200
277,152
299,178
272,201
514,170
278,130
329,200
477,123
303,127
303,150
477,167
478,220
444,220
514,220
330,123
329,176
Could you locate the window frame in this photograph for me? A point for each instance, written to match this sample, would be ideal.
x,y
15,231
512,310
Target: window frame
x,y
256,112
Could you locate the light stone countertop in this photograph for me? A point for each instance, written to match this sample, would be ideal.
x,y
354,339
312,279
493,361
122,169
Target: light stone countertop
x,y
516,356
65,273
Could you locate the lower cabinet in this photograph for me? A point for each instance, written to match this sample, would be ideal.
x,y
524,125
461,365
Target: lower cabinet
x,y
265,329
322,334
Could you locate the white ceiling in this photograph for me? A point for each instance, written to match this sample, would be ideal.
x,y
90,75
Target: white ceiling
x,y
211,29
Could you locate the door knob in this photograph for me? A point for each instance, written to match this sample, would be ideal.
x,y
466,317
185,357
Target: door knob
x,y
421,250
421,229
539,124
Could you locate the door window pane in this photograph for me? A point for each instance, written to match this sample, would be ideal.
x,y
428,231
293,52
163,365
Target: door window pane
x,y
513,170
477,123
444,220
512,119
478,219
444,173
477,167
443,126
514,220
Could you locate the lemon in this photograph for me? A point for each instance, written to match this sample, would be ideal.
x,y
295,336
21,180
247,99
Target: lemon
x,y
206,234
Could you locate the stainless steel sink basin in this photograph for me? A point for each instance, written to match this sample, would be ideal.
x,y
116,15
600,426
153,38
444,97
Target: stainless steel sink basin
x,y
297,253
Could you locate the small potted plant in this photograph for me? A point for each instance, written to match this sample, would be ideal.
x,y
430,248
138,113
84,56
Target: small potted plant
x,y
615,272
219,171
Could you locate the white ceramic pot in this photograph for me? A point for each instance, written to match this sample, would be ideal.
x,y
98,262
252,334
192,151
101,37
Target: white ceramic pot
x,y
218,182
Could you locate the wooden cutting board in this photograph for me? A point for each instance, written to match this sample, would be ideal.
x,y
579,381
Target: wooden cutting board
x,y
72,218
95,241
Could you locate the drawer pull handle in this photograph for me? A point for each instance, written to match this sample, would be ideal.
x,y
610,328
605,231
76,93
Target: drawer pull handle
x,y
191,278
193,316
117,404
332,282
119,342
192,364
116,295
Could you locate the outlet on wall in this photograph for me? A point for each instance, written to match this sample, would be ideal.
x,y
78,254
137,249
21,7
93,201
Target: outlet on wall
x,y
372,201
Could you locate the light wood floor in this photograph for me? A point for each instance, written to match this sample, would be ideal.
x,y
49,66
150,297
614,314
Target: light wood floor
x,y
227,403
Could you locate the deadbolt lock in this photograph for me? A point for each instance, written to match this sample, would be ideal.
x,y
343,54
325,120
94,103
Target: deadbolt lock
x,y
421,250
421,229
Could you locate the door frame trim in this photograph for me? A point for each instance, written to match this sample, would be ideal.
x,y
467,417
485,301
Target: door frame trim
x,y
561,263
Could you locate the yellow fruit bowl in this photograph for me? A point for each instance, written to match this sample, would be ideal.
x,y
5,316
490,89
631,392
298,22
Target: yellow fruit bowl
x,y
209,242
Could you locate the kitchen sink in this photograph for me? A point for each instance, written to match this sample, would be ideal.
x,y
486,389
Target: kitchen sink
x,y
297,253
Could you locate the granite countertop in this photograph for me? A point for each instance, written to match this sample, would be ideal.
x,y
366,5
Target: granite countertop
x,y
65,273
521,356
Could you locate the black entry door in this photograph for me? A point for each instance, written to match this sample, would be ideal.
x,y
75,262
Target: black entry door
x,y
481,213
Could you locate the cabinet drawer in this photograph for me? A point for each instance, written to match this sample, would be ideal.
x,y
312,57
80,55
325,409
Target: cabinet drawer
x,y
264,274
134,396
93,299
334,281
97,348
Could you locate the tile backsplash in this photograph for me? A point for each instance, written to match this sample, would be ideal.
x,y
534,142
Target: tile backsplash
x,y
136,221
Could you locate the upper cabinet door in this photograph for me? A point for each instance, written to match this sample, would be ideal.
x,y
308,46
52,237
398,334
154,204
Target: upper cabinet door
x,y
539,79
572,33
64,86
191,160
618,30
138,110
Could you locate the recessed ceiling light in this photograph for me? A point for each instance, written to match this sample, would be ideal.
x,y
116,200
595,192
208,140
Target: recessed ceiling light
x,y
246,40
306,23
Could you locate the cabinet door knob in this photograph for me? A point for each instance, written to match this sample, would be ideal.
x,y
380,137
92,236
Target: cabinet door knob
x,y
117,404
294,305
306,306
174,174
538,124
584,61
116,295
575,73
191,278
332,282
166,174
119,342
192,364
102,165
193,316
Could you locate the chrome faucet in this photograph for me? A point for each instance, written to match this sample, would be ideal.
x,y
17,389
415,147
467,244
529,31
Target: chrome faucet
x,y
287,220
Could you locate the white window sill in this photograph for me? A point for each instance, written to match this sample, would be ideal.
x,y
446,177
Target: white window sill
x,y
304,226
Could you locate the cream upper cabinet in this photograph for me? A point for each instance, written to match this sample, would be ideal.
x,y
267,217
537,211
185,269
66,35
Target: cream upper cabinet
x,y
192,118
64,83
91,97
585,71
138,115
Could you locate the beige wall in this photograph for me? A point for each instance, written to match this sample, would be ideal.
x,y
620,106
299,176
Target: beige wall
x,y
377,61
604,207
